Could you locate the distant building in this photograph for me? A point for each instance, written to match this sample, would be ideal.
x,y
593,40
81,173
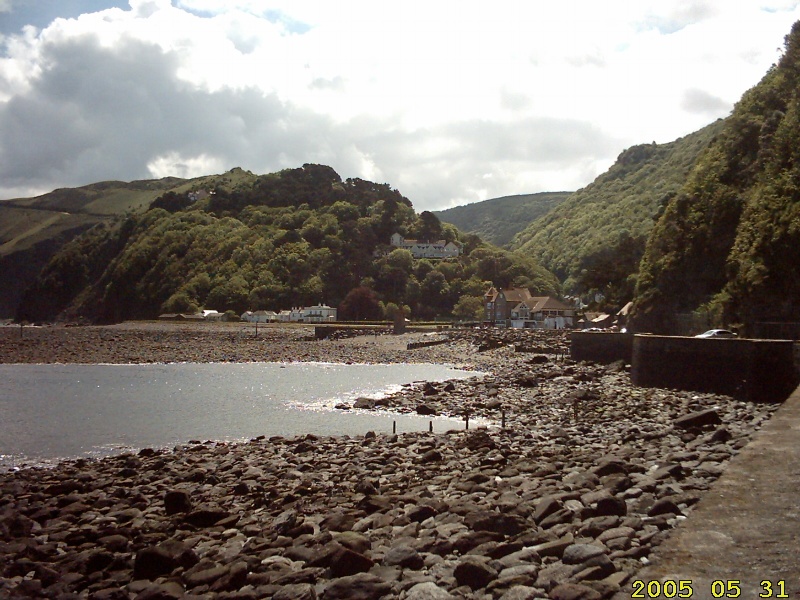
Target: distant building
x,y
422,249
260,316
321,313
516,307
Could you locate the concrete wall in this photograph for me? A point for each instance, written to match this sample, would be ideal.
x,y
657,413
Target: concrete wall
x,y
757,370
601,347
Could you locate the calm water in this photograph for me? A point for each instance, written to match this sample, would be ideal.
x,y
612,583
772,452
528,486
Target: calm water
x,y
51,412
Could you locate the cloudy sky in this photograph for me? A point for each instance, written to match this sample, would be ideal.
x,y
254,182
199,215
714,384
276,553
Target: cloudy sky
x,y
449,101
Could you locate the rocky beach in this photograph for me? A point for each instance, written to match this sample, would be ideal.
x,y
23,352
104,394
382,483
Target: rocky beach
x,y
567,500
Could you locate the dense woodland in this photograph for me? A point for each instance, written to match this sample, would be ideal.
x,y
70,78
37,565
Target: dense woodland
x,y
298,237
728,244
594,240
499,220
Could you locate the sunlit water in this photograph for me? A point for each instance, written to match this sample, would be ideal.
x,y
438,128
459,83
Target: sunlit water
x,y
52,412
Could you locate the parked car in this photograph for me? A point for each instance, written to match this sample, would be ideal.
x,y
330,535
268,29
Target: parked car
x,y
716,333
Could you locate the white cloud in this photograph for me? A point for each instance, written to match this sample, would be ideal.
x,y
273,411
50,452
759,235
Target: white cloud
x,y
427,96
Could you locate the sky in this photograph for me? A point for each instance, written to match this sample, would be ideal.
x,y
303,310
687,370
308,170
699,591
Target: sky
x,y
448,101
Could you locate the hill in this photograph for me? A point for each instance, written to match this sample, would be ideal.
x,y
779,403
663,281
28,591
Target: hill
x,y
593,241
239,241
728,244
498,220
33,229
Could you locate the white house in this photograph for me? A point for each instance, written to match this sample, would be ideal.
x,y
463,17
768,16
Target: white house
x,y
320,313
422,249
212,315
260,316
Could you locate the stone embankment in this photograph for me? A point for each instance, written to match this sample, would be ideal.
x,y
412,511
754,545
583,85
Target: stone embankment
x,y
567,502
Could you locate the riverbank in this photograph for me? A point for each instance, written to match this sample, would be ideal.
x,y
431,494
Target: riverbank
x,y
568,501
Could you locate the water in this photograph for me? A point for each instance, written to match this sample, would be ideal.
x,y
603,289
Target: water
x,y
52,412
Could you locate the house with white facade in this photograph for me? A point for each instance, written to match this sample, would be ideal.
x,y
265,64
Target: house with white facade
x,y
321,313
422,249
260,316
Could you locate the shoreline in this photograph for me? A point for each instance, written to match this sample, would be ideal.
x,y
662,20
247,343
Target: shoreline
x,y
568,501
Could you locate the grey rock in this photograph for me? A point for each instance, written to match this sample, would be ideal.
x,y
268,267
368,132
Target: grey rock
x,y
577,554
403,556
699,418
298,591
428,591
362,586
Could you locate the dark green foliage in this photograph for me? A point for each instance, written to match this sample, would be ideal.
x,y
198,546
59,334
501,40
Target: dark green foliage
x,y
360,304
498,220
239,249
729,242
593,241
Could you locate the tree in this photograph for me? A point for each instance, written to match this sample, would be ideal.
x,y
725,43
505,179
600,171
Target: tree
x,y
360,304
469,308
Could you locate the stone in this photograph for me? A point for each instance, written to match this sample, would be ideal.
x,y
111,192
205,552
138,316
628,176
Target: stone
x,y
577,554
521,592
362,586
503,523
206,515
298,591
546,507
177,501
404,556
475,573
698,419
345,562
153,562
364,403
573,591
611,505
428,590
663,506
427,409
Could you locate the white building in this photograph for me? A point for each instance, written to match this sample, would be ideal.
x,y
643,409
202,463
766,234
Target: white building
x,y
319,314
421,249
260,316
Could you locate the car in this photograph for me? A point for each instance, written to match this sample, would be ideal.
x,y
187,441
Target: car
x,y
716,333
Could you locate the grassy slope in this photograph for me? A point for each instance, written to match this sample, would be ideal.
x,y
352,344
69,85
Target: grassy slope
x,y
498,220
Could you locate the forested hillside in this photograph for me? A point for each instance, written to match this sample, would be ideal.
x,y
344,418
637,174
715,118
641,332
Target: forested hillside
x,y
594,240
297,237
728,245
498,220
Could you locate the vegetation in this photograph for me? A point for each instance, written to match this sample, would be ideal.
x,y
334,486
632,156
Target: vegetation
x,y
498,220
728,244
298,237
593,241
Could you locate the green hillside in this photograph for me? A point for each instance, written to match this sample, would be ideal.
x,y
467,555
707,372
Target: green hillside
x,y
239,241
498,220
728,245
593,241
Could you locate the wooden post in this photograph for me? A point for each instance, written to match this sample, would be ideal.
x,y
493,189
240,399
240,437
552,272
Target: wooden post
x,y
466,419
430,426
394,427
503,418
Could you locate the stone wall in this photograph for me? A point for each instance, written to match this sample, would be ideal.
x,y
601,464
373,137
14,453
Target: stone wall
x,y
756,370
601,347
